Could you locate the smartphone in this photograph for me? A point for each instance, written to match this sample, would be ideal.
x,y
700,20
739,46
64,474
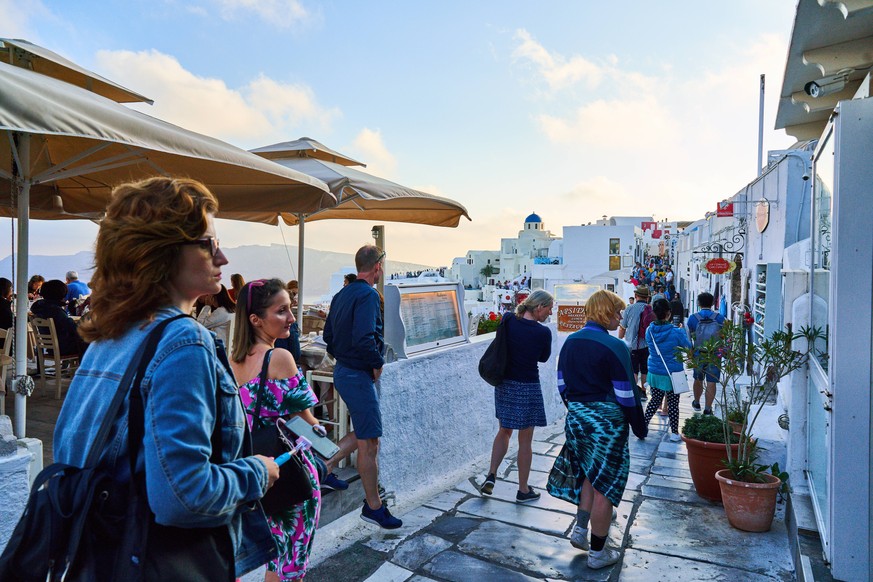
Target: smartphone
x,y
325,447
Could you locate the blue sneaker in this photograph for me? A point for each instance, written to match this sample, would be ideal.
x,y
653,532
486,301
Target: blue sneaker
x,y
381,517
334,483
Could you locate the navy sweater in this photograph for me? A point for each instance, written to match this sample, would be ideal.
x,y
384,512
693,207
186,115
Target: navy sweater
x,y
353,330
595,367
529,343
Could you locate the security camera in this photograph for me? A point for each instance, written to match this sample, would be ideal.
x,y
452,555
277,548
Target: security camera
x,y
805,177
825,86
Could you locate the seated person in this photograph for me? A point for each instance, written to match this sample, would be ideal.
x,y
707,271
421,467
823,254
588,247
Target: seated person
x,y
52,306
217,312
5,303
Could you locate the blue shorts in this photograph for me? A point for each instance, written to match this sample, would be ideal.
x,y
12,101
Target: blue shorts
x,y
711,372
359,393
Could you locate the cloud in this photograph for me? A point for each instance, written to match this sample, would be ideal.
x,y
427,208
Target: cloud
x,y
558,71
253,115
374,153
17,16
279,13
629,124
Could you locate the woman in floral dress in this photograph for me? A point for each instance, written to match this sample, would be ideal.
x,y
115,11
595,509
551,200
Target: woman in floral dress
x,y
264,314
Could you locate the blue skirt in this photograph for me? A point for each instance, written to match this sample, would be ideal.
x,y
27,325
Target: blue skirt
x,y
519,404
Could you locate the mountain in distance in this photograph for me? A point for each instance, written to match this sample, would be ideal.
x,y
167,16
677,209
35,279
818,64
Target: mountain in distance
x,y
251,261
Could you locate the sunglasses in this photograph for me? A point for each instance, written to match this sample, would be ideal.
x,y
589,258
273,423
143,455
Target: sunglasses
x,y
252,285
382,256
209,243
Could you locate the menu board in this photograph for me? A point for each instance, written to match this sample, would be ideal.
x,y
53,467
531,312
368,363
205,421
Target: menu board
x,y
571,317
430,316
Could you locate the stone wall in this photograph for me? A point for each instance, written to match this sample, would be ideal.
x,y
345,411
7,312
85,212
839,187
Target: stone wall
x,y
438,416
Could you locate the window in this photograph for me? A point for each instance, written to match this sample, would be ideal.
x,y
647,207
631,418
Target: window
x,y
614,263
614,246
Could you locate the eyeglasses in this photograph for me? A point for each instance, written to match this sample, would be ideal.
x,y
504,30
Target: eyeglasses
x,y
209,243
252,285
382,256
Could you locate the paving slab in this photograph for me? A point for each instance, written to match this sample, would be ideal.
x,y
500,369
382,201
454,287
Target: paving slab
x,y
543,520
447,500
537,479
645,449
357,562
417,550
453,528
675,463
702,534
559,438
541,463
420,578
389,572
384,540
507,495
658,469
457,567
640,465
542,447
673,494
640,566
530,552
634,481
659,481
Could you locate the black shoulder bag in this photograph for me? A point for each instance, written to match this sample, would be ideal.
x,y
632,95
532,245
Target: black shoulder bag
x,y
495,360
293,486
82,524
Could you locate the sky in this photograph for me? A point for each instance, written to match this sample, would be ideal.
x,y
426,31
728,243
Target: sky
x,y
572,110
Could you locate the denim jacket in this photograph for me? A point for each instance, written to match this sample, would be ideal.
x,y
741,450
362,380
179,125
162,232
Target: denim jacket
x,y
179,387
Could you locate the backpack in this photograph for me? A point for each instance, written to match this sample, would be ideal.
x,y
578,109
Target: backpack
x,y
707,327
647,316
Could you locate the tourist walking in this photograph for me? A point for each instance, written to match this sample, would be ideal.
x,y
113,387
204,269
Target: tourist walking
x,y
156,252
702,326
518,400
663,338
354,336
264,314
596,383
632,329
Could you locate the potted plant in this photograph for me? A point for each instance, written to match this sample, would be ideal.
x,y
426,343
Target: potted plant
x,y
704,438
749,489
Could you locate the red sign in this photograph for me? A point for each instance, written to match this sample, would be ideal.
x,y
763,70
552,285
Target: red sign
x,y
719,266
725,208
571,317
649,226
656,233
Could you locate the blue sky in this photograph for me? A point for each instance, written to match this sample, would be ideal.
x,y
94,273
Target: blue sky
x,y
570,109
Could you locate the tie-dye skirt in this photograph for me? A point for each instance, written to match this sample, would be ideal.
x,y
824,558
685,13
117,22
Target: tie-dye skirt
x,y
595,449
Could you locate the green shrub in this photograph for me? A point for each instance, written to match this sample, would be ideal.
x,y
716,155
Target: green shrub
x,y
706,427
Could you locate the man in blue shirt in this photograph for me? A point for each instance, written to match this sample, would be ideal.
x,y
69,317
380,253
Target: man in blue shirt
x,y
354,336
75,290
701,326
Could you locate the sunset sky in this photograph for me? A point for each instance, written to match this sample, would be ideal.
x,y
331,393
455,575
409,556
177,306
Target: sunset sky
x,y
569,109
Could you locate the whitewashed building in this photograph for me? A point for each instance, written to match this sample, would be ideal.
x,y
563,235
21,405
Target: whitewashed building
x,y
469,268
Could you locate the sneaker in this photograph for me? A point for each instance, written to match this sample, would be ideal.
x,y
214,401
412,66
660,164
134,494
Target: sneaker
x,y
488,486
603,558
579,538
334,483
695,404
675,438
662,413
381,517
707,412
531,495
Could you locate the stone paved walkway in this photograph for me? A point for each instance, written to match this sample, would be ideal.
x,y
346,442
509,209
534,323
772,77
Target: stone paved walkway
x,y
665,530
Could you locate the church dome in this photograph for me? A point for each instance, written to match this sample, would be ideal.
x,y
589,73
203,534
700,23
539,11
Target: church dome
x,y
533,218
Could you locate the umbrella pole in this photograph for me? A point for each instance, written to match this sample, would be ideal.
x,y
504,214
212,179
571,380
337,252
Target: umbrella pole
x,y
22,383
301,221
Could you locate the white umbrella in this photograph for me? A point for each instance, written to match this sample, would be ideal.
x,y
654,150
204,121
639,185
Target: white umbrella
x,y
63,149
359,195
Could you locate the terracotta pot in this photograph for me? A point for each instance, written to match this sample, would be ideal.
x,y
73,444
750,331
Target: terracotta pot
x,y
748,506
736,427
704,459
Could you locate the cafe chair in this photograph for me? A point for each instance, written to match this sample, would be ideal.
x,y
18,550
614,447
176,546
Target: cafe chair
x,y
6,335
47,350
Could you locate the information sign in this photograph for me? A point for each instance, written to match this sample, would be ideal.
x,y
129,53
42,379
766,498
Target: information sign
x,y
571,317
720,266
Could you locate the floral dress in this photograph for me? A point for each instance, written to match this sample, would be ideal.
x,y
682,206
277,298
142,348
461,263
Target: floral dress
x,y
293,530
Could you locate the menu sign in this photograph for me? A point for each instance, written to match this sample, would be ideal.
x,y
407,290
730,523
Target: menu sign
x,y
430,316
571,317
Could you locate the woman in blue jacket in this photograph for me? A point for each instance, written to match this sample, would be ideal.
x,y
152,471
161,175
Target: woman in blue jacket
x,y
156,252
667,337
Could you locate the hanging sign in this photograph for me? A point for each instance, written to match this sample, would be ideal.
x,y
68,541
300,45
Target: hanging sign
x,y
571,317
724,209
762,215
719,266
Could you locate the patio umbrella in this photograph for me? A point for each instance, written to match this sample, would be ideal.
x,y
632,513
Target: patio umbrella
x,y
359,195
62,149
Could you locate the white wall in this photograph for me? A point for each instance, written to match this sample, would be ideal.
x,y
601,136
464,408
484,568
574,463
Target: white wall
x,y
586,248
438,416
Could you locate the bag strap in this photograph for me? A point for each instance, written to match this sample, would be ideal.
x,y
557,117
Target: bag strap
x,y
262,384
148,345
